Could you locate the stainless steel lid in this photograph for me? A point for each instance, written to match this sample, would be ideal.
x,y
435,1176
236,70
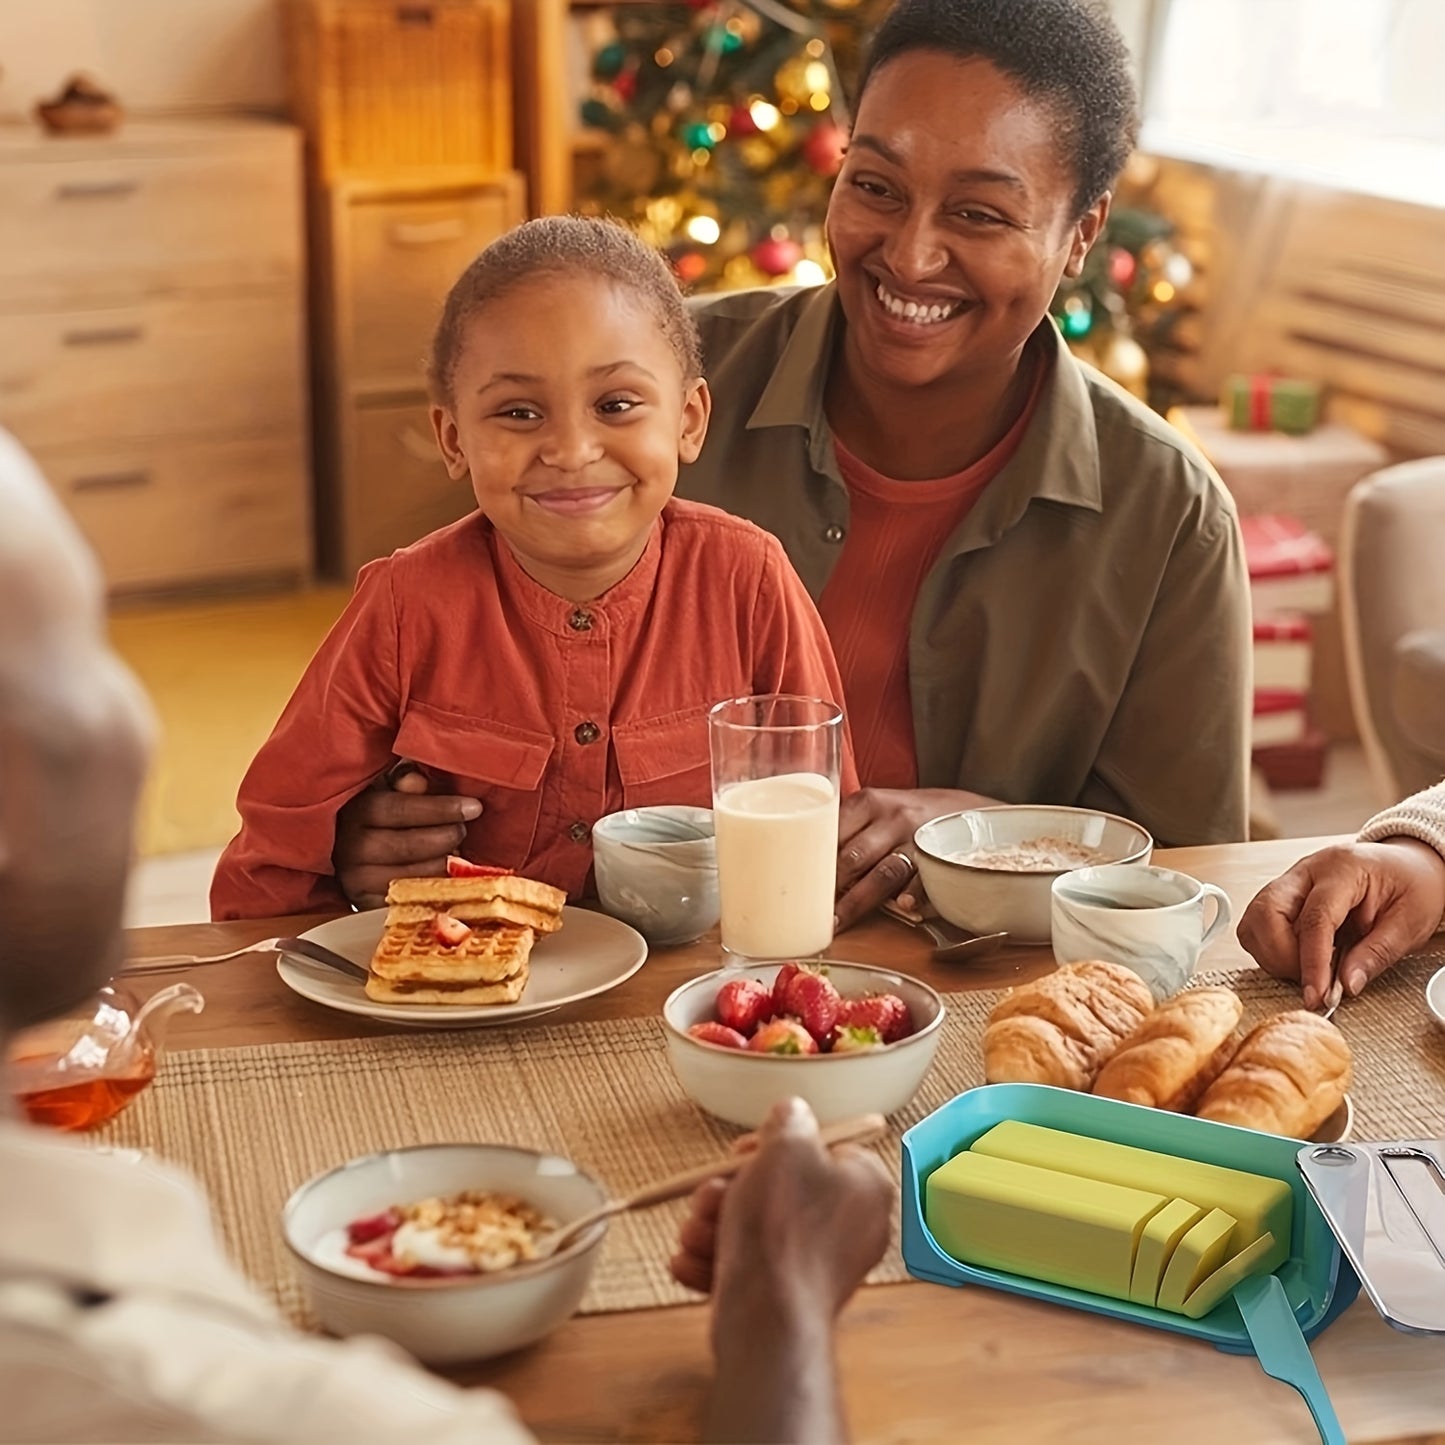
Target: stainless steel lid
x,y
1386,1205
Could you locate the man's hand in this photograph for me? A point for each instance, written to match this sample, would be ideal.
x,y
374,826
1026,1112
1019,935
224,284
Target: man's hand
x,y
396,829
875,844
781,1247
1375,902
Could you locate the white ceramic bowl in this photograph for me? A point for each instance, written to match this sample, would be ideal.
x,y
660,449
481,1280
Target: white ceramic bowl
x,y
442,1321
741,1087
994,900
1435,997
656,870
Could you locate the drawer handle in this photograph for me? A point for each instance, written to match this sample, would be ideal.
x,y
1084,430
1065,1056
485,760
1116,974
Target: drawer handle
x,y
111,481
432,233
423,448
96,190
105,336
414,15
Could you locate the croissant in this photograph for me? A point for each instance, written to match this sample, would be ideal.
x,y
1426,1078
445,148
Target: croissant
x,y
1287,1078
1176,1053
1061,1028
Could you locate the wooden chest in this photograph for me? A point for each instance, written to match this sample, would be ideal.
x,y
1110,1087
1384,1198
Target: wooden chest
x,y
383,87
152,345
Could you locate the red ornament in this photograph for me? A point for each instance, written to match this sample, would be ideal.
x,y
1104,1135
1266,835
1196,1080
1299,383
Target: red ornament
x,y
741,122
824,147
689,267
775,256
626,86
1122,267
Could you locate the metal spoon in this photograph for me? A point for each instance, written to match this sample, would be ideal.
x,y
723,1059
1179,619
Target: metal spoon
x,y
1335,994
952,945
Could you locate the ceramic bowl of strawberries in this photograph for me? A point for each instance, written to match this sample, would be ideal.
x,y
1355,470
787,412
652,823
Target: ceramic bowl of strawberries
x,y
847,1038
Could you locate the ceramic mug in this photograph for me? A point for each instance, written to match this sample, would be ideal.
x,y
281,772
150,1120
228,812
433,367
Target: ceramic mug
x,y
656,869
1149,919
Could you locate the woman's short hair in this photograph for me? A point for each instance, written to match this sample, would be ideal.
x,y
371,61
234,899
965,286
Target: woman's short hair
x,y
1067,53
563,246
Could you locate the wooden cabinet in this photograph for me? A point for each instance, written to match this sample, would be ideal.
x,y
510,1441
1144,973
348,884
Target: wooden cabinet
x,y
152,344
413,168
387,254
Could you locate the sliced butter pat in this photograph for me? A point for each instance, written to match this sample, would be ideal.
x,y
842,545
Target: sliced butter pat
x,y
1214,1289
1259,1204
1156,1246
1044,1225
1202,1250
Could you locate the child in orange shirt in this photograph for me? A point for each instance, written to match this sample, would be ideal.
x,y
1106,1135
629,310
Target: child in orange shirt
x,y
553,654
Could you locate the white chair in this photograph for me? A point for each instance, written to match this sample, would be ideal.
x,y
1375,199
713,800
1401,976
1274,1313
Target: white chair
x,y
1392,581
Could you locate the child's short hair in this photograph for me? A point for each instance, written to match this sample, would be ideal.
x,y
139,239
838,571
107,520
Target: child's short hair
x,y
562,245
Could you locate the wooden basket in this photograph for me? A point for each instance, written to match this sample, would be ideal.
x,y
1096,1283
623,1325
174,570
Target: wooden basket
x,y
385,87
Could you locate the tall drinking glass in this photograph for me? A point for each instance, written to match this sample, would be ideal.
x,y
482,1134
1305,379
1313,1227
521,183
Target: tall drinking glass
x,y
775,776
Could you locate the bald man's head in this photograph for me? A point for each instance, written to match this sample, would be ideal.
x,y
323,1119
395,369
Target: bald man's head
x,y
74,738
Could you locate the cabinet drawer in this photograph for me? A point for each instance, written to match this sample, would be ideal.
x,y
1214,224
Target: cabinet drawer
x,y
186,366
76,231
167,515
397,489
399,260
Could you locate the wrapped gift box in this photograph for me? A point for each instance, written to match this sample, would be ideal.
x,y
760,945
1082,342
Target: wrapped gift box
x,y
1271,403
1308,478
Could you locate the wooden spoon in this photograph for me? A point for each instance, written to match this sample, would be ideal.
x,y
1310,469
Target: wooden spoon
x,y
866,1126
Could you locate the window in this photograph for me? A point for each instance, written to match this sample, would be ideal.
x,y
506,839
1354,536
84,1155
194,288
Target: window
x,y
1345,93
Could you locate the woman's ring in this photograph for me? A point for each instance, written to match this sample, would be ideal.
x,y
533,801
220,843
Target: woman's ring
x,y
908,862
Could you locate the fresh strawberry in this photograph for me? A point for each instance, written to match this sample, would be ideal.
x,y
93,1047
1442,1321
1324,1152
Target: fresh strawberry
x,y
721,1035
812,1000
885,1012
464,868
783,1036
786,974
374,1226
373,1252
743,1004
850,1039
449,931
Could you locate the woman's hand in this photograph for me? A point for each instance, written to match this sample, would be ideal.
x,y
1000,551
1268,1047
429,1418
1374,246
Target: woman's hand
x,y
875,844
397,829
1375,902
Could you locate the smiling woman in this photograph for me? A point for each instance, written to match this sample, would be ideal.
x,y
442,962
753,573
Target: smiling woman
x,y
1034,587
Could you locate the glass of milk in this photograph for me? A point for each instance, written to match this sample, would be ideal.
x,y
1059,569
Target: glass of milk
x,y
775,772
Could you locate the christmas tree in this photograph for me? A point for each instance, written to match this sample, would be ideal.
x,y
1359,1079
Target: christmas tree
x,y
1128,310
725,124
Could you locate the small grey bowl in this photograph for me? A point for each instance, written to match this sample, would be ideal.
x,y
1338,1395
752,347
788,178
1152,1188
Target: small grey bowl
x,y
657,870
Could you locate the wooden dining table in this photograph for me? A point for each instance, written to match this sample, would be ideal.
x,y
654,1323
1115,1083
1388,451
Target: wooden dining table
x,y
918,1362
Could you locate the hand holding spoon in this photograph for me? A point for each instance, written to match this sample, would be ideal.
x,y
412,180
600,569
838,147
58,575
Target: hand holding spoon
x,y
866,1126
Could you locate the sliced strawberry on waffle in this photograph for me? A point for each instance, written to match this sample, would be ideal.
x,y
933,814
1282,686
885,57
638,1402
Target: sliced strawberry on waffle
x,y
465,868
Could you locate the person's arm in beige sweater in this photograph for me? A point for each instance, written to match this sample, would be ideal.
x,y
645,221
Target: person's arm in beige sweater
x,y
1367,903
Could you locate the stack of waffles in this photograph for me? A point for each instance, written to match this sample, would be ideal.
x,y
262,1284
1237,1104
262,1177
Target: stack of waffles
x,y
463,941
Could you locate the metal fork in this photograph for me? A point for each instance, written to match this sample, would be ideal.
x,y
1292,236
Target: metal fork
x,y
302,947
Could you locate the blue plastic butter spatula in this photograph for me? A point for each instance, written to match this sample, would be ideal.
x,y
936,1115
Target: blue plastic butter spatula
x,y
1283,1353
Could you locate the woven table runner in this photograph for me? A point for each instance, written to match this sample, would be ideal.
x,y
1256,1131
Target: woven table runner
x,y
253,1123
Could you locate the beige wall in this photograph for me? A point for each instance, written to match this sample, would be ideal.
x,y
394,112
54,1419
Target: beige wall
x,y
154,54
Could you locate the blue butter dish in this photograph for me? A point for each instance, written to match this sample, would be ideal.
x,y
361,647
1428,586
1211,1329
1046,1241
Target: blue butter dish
x,y
1318,1281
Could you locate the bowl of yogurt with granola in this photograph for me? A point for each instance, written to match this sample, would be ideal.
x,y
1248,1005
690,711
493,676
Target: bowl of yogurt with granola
x,y
991,870
435,1247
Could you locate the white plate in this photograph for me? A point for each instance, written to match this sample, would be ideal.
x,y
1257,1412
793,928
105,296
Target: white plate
x,y
1435,996
590,954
